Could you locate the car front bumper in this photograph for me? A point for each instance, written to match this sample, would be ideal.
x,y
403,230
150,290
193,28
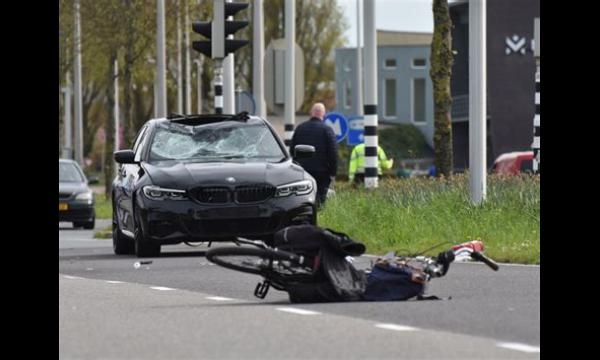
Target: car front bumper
x,y
175,221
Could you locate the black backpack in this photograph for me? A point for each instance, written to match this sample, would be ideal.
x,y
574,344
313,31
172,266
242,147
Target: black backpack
x,y
335,279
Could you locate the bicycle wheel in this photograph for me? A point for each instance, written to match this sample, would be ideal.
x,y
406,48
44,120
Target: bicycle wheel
x,y
249,260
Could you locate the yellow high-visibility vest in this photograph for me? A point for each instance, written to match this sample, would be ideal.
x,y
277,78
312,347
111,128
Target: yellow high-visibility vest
x,y
357,161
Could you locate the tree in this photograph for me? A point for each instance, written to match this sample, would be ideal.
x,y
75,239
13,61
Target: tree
x,y
441,70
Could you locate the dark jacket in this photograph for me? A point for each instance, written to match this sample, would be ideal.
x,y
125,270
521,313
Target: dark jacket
x,y
314,132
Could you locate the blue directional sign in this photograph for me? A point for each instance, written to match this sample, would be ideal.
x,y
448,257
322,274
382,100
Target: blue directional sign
x,y
338,123
356,130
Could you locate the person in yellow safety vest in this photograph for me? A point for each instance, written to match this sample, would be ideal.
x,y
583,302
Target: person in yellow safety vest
x,y
356,169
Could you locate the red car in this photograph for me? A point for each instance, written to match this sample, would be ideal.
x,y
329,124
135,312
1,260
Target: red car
x,y
513,163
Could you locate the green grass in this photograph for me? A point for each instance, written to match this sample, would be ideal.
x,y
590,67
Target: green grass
x,y
105,233
103,207
417,213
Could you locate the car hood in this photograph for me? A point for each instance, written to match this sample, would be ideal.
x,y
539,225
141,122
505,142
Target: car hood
x,y
72,187
178,175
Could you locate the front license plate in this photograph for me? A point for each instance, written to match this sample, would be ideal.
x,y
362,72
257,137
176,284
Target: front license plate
x,y
63,207
228,213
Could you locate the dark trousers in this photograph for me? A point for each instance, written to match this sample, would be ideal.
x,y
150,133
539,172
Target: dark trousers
x,y
323,182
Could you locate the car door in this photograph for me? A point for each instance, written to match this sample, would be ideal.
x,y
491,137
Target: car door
x,y
126,179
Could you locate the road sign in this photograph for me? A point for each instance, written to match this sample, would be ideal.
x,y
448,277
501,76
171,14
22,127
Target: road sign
x,y
356,130
338,123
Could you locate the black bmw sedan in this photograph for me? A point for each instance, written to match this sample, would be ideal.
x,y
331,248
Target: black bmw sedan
x,y
207,178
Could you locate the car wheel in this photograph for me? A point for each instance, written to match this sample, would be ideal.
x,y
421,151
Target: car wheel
x,y
122,245
144,247
89,225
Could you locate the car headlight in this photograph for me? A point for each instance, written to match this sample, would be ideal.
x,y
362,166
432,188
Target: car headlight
x,y
157,193
85,196
297,188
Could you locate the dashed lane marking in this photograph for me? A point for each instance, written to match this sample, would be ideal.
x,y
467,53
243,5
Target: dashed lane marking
x,y
519,347
161,288
115,282
298,311
218,298
396,327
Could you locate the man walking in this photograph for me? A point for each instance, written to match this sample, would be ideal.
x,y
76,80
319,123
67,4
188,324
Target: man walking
x,y
322,166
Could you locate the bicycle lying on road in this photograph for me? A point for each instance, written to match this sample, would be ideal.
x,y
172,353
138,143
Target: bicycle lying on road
x,y
293,270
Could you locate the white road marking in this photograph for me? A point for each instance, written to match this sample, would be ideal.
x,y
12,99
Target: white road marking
x,y
89,269
162,288
114,282
396,327
218,298
298,311
71,277
519,347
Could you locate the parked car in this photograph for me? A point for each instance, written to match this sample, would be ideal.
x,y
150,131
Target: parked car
x,y
207,178
75,199
513,163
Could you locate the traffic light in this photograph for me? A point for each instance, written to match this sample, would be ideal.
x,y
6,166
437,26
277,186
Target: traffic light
x,y
218,47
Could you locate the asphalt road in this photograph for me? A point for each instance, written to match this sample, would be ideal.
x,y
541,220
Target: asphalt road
x,y
182,306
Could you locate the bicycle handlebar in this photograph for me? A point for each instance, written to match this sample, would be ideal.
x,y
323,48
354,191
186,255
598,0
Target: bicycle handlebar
x,y
489,262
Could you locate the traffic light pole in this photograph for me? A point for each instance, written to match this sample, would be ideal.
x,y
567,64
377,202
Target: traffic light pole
x,y
77,90
218,86
536,118
161,94
229,78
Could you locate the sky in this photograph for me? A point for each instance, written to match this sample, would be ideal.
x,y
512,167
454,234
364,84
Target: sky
x,y
400,15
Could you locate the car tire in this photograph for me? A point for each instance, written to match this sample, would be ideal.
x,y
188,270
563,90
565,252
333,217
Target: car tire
x,y
122,245
144,247
89,225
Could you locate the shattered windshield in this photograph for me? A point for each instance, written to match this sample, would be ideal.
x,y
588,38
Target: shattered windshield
x,y
214,142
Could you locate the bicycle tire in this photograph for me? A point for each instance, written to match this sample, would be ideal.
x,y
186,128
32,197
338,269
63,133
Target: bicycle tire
x,y
244,259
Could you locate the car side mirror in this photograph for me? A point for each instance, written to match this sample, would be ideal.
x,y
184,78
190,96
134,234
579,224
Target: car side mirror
x,y
304,151
125,156
93,180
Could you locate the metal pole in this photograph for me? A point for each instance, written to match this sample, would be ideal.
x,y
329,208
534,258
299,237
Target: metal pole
x,y
358,90
229,79
188,62
68,144
258,50
477,99
536,118
179,62
218,86
77,90
160,60
290,70
116,85
199,84
370,107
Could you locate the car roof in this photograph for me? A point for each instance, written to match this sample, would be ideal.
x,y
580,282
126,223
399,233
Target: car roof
x,y
200,119
513,155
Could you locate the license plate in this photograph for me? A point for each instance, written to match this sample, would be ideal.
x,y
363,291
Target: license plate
x,y
228,213
63,207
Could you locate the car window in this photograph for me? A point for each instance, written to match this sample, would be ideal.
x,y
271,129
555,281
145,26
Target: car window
x,y
214,142
69,172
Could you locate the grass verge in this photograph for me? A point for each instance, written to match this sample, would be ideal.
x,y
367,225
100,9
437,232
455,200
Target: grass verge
x,y
411,215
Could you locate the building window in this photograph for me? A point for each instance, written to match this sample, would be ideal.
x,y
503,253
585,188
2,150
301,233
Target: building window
x,y
389,98
418,100
390,64
347,67
347,95
419,63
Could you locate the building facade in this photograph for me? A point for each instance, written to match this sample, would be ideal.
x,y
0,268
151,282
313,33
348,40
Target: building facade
x,y
510,77
404,88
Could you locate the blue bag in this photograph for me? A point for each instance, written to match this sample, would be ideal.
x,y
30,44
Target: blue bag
x,y
390,283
